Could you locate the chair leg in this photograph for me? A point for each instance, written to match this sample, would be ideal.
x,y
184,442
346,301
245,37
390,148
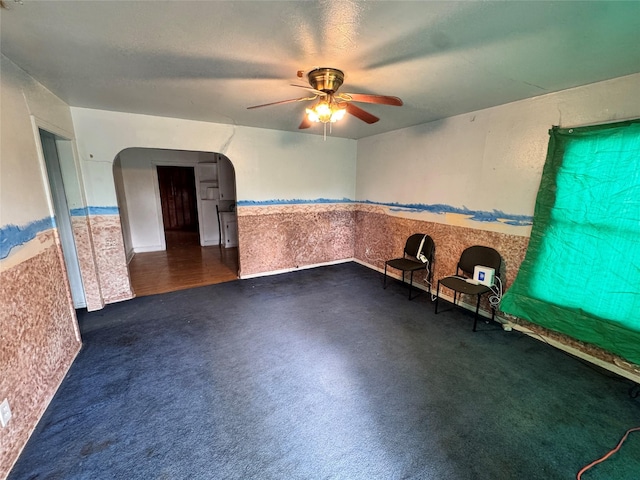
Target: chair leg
x,y
384,284
437,296
410,283
475,319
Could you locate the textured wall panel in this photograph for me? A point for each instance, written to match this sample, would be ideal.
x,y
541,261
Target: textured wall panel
x,y
84,247
272,239
39,342
110,258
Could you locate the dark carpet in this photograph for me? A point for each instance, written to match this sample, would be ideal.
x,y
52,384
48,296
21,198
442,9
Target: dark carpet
x,y
322,374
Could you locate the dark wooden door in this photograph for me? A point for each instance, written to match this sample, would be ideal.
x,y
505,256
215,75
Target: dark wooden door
x,y
178,198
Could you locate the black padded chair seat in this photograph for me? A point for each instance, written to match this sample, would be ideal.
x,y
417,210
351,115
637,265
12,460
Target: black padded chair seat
x,y
462,286
405,264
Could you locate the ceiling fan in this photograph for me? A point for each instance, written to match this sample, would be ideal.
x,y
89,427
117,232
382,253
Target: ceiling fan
x,y
332,106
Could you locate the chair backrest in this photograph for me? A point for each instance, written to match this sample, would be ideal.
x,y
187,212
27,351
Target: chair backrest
x,y
479,255
413,244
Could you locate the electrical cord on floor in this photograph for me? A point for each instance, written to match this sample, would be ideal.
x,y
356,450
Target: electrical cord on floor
x,y
428,283
431,289
496,298
611,452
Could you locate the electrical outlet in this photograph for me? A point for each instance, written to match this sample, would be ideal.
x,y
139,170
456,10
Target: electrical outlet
x,y
5,412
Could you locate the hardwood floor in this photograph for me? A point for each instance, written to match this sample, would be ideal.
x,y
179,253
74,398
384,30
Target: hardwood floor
x,y
184,264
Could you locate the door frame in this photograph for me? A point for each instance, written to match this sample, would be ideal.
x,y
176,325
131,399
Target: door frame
x,y
194,191
78,298
156,193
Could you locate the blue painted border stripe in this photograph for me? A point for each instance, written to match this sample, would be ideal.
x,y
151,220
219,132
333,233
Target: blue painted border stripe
x,y
475,215
84,211
14,235
293,201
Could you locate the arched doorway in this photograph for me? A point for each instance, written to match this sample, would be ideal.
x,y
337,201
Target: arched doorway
x,y
172,207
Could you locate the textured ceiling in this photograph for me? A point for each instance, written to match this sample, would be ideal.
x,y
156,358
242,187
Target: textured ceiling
x,y
209,60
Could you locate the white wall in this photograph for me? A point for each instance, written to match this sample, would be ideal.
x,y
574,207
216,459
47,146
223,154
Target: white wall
x,y
23,190
124,207
487,160
269,164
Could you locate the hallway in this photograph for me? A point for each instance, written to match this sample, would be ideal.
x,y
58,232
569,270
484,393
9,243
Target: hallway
x,y
184,264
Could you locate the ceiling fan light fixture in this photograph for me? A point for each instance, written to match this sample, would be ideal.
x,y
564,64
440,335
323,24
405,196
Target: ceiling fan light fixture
x,y
338,114
326,112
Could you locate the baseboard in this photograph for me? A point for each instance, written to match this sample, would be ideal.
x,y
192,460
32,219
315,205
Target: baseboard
x,y
612,367
294,269
210,243
151,248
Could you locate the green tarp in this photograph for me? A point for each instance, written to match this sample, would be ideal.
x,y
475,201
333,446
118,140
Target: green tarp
x,y
581,273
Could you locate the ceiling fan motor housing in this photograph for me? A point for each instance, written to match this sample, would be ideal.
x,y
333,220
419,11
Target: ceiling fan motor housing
x,y
326,79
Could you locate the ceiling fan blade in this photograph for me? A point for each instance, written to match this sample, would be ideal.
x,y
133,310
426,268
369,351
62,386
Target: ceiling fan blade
x,y
283,101
306,123
366,98
361,114
317,92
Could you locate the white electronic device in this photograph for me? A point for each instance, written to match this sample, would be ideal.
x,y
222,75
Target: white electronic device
x,y
484,275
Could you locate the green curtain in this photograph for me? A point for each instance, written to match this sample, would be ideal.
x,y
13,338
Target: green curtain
x,y
581,273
